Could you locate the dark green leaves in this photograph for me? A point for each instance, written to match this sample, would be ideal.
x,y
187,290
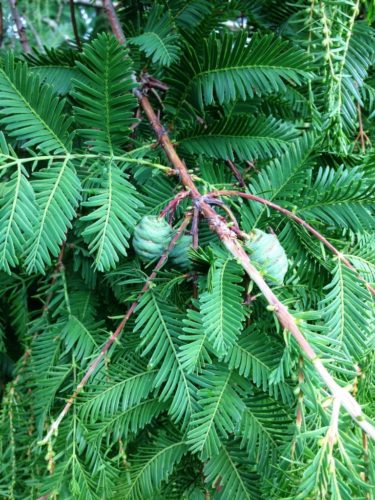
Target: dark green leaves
x,y
159,39
32,112
348,313
106,103
232,68
341,197
153,464
57,191
221,310
220,411
160,324
247,138
116,211
17,218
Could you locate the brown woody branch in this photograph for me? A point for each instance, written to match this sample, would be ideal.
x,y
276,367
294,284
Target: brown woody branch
x,y
92,367
19,25
229,239
114,21
301,222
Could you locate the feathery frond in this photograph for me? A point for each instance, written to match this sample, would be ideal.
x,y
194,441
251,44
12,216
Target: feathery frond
x,y
32,112
106,105
116,211
221,306
247,138
57,193
159,324
159,39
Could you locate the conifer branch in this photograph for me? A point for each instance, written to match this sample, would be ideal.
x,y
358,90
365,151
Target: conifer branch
x,y
229,239
94,364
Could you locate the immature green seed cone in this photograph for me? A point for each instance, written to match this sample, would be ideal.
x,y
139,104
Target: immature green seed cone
x,y
151,237
179,255
265,250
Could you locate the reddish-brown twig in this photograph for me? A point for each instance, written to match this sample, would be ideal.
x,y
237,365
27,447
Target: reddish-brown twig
x,y
95,363
74,24
19,25
173,204
236,173
113,20
362,137
229,239
301,222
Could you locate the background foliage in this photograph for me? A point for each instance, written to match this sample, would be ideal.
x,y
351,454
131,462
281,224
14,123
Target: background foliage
x,y
203,395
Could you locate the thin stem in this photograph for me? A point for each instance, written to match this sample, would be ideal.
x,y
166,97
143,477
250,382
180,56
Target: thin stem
x,y
59,267
236,173
362,136
69,156
300,221
92,367
173,204
74,24
19,25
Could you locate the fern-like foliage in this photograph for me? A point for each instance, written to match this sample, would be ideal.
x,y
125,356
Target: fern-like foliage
x,y
173,379
159,324
115,212
193,352
32,113
348,313
221,319
221,409
57,193
17,213
232,473
105,102
153,465
159,39
229,69
340,197
256,356
246,138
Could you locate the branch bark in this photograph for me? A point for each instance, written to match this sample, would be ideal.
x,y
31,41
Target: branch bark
x,y
229,239
114,21
19,25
